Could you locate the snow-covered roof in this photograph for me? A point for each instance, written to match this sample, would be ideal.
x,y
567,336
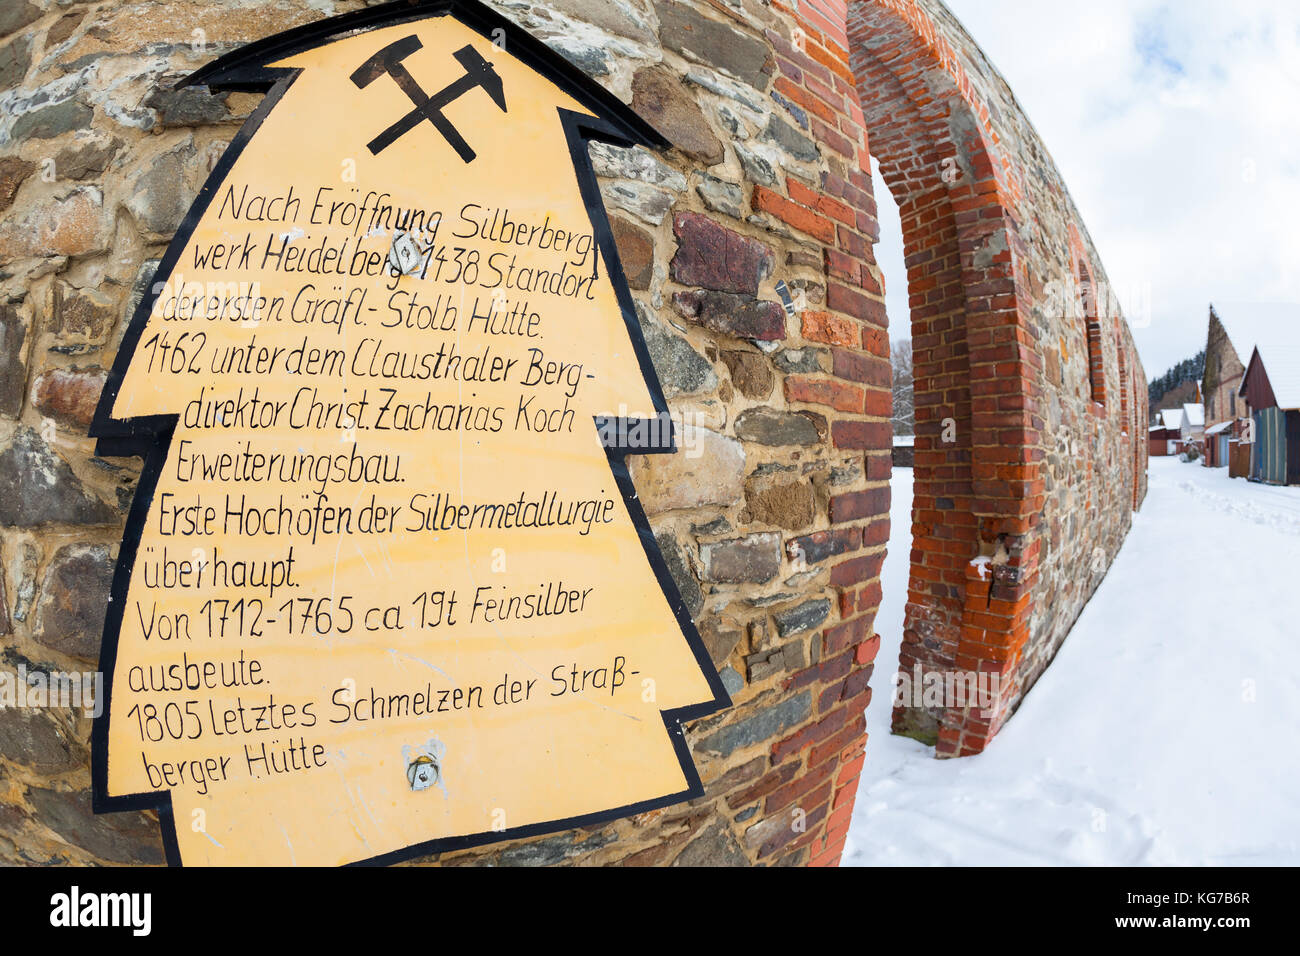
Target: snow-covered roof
x,y
1172,417
1283,367
1156,428
1274,329
1221,427
1194,415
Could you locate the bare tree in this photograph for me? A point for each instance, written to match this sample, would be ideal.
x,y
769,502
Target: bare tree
x,y
904,417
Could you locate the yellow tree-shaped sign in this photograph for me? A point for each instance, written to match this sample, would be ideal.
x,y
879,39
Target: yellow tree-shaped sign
x,y
386,588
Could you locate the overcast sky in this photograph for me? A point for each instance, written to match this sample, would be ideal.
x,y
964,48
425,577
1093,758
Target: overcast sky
x,y
1177,129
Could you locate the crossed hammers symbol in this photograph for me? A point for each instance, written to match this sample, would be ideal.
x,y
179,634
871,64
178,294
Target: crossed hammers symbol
x,y
478,72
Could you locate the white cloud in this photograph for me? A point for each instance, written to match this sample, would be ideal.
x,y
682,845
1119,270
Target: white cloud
x,y
1176,127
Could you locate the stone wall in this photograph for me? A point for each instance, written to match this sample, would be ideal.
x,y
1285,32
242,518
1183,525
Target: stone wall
x,y
748,247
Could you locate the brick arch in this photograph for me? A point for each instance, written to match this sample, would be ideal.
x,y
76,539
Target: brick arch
x,y
1097,309
1138,422
978,488
1089,307
1122,354
1133,427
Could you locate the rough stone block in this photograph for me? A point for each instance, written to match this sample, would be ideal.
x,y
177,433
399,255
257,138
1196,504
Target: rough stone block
x,y
763,725
767,426
742,316
636,252
713,257
791,505
804,617
69,395
663,102
681,369
38,487
709,470
751,373
75,595
690,33
755,558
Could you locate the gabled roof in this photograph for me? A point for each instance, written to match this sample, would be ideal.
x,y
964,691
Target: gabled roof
x,y
1281,363
1194,416
1172,417
1273,329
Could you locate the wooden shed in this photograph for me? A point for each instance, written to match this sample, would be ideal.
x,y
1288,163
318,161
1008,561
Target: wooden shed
x,y
1217,441
1163,441
1271,387
1166,437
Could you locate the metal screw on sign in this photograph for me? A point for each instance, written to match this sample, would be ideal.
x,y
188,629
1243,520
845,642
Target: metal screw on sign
x,y
404,254
423,772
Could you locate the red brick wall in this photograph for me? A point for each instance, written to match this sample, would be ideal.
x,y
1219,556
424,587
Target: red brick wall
x,y
840,214
994,357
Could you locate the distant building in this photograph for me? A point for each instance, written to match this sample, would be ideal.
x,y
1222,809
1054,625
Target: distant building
x,y
1228,348
1271,390
1165,438
1193,425
1161,441
1178,396
1217,438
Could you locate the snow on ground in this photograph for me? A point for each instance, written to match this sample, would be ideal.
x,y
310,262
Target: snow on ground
x,y
1164,732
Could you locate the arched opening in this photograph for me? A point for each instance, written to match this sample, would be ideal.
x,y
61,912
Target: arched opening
x,y
975,487
944,534
1134,430
1123,383
1090,315
1139,434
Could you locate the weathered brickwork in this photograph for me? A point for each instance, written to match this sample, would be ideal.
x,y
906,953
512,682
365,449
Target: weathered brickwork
x,y
748,248
1030,405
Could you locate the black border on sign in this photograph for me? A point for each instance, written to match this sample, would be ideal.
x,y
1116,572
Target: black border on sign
x,y
149,437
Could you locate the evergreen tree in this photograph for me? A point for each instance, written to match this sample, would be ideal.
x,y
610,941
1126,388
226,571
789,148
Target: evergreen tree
x,y
1188,370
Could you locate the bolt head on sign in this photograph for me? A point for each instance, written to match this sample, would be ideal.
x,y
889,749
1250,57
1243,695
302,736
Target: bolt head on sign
x,y
353,395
